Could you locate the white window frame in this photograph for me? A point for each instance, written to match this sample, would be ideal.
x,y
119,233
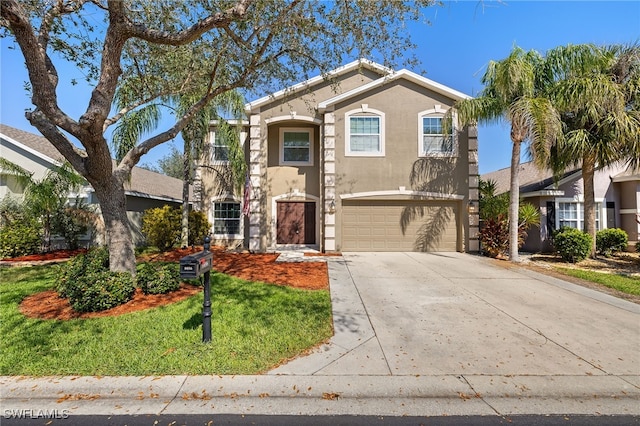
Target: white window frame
x,y
579,201
213,218
214,160
307,130
436,112
363,111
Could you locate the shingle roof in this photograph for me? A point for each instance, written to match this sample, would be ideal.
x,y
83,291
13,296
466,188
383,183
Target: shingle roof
x,y
144,183
531,178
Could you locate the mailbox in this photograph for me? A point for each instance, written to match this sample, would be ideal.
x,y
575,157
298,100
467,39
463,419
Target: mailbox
x,y
196,264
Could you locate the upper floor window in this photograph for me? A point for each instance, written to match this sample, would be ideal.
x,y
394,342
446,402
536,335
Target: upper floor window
x,y
364,132
433,139
296,146
219,148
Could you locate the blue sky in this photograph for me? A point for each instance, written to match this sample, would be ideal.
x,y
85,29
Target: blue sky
x,y
454,50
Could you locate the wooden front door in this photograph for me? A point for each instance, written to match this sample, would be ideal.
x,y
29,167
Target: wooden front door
x,y
296,222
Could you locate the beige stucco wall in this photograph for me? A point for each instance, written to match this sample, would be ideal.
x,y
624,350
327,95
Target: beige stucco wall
x,y
401,102
630,208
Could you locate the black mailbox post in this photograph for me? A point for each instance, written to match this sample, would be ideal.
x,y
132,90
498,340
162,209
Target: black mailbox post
x,y
194,266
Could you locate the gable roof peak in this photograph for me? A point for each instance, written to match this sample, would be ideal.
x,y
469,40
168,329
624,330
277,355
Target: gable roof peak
x,y
354,65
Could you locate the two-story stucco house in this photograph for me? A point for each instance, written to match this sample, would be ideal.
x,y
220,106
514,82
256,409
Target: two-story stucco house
x,y
354,161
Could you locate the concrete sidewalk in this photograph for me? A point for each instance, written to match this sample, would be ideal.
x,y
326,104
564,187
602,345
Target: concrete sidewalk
x,y
415,334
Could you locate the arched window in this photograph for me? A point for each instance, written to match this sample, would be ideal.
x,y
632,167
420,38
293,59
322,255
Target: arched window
x,y
364,132
433,139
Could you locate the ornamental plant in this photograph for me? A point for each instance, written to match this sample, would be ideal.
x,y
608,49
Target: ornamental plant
x,y
89,285
611,240
158,278
572,244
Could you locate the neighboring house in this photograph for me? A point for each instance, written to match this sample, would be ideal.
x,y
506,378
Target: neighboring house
x,y
355,161
37,155
617,194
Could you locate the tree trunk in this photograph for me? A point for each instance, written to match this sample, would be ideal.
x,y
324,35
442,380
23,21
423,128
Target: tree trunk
x,y
113,205
514,201
186,178
588,171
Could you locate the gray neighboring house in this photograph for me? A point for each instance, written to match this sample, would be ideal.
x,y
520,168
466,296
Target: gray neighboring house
x,y
617,194
36,154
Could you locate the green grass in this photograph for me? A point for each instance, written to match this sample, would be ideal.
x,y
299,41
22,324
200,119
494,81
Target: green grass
x,y
623,283
255,326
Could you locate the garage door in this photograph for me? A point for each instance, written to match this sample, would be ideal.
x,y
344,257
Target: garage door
x,y
399,225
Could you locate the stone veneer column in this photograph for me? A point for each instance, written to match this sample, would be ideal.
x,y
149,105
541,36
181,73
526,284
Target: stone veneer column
x,y
255,172
474,192
329,183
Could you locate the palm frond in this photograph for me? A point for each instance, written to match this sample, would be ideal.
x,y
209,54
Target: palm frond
x,y
131,128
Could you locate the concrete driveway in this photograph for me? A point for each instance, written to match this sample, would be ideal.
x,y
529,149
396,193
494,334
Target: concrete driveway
x,y
518,340
453,313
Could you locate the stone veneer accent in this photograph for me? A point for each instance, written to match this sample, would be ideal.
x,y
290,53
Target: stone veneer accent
x,y
255,172
474,192
329,193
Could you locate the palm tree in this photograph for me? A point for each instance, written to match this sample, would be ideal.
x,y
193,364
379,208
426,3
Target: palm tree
x,y
137,122
195,137
46,197
597,92
512,93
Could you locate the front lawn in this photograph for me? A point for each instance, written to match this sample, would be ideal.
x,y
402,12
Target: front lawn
x,y
255,327
624,283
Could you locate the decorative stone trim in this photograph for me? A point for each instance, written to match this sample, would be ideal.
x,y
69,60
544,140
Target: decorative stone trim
x,y
329,201
473,201
255,171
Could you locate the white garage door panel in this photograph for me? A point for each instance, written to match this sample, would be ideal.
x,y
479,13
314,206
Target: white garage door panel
x,y
376,226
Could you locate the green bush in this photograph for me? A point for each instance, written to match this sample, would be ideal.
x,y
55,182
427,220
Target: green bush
x,y
20,238
161,227
69,273
199,227
572,244
89,285
100,290
611,240
158,278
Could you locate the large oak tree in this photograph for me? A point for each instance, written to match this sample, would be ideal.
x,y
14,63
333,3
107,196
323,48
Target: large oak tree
x,y
146,52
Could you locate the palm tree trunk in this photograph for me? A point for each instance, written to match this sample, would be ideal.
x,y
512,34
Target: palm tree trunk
x,y
514,200
588,172
186,178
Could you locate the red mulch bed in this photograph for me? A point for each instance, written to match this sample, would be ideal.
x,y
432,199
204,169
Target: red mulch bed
x,y
44,257
249,266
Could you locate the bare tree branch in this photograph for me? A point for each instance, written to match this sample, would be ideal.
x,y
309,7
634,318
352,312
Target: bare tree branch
x,y
217,20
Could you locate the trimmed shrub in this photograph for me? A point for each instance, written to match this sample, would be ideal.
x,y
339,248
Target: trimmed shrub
x,y
158,278
20,238
199,227
161,227
572,244
612,240
89,285
101,290
69,273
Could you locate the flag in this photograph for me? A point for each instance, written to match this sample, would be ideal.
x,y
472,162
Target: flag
x,y
246,205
